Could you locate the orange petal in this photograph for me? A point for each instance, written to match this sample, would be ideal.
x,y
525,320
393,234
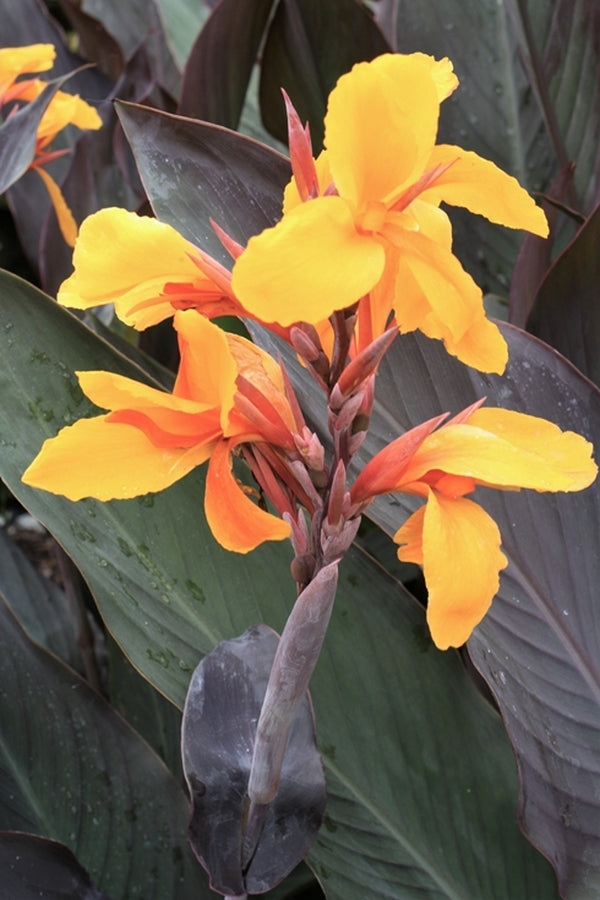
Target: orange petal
x,y
384,472
503,448
483,188
66,222
381,125
126,259
308,265
236,522
95,458
207,367
461,560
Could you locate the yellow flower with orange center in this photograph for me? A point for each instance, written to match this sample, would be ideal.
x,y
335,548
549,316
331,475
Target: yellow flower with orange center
x,y
455,541
375,226
150,438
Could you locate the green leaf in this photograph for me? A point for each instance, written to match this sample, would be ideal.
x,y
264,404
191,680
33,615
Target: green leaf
x,y
537,647
38,603
421,781
73,771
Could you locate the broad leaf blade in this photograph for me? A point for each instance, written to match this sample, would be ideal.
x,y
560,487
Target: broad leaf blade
x,y
394,717
73,771
221,711
309,45
32,867
193,171
18,137
566,313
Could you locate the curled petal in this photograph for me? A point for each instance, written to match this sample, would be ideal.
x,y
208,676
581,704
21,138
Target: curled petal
x,y
483,188
437,296
503,448
308,265
108,461
458,545
236,522
126,259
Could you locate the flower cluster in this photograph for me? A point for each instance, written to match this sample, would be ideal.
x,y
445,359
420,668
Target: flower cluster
x,y
362,251
16,89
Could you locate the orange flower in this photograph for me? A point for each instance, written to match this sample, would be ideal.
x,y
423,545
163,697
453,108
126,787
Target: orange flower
x,y
372,221
64,109
455,541
149,438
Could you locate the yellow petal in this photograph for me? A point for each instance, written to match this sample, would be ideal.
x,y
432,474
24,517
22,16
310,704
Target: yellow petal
x,y
308,265
126,259
437,296
291,197
66,222
67,109
483,188
15,61
236,522
381,125
207,367
503,448
95,458
461,558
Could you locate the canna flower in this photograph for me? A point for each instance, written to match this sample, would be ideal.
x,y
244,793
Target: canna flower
x,y
365,218
147,270
64,109
454,540
228,395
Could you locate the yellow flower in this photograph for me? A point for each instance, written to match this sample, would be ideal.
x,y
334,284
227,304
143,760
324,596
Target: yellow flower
x,y
455,541
64,109
376,217
147,269
149,438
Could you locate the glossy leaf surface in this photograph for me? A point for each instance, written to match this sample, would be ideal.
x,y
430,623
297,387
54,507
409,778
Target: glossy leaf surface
x,y
221,710
73,771
394,716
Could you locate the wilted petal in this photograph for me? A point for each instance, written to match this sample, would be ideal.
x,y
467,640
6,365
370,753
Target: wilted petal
x,y
236,522
461,558
308,265
481,187
95,458
381,125
126,259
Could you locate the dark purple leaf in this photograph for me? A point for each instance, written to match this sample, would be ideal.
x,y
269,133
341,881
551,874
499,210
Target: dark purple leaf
x,y
34,867
101,173
566,313
309,45
98,45
136,23
218,69
538,647
535,255
18,137
193,171
219,724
